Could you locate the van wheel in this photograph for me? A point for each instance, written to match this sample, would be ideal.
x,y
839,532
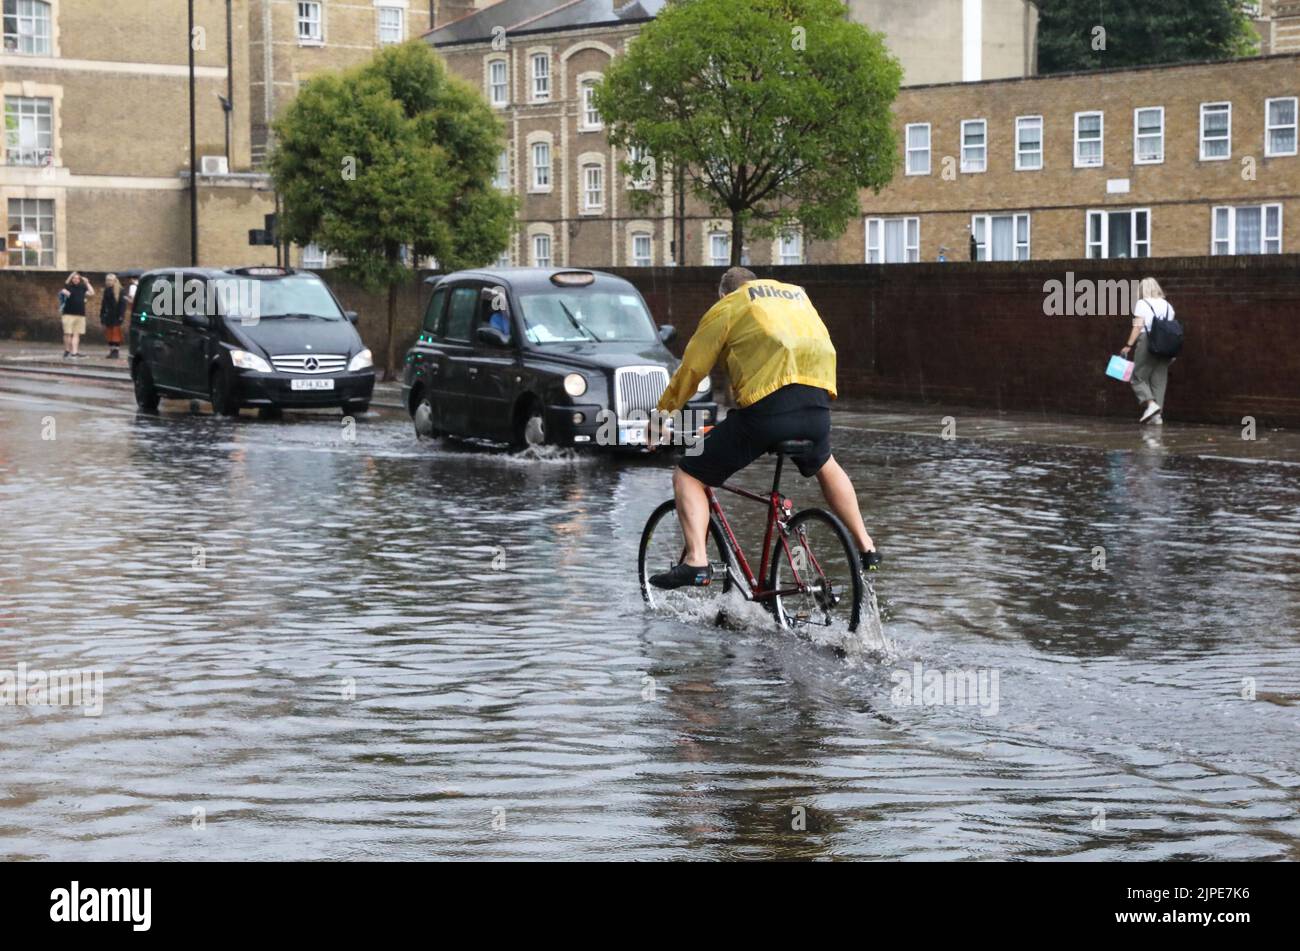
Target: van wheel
x,y
530,430
146,397
356,409
422,419
222,393
269,412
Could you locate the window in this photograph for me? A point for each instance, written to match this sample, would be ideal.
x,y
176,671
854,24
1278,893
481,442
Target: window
x,y
503,259
1089,138
1216,131
309,22
918,148
31,232
541,166
541,250
27,27
638,156
642,254
893,240
719,249
460,312
498,88
502,178
433,313
29,136
974,145
541,77
790,248
1119,234
593,188
1247,229
1029,143
1149,136
390,25
1280,126
314,259
590,117
1001,237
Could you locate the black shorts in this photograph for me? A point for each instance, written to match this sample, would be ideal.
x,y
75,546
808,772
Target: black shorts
x,y
792,412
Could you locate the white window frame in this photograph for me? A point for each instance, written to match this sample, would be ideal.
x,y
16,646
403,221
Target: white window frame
x,y
1104,243
39,20
1270,128
503,86
48,251
1101,139
647,259
911,250
586,93
1020,152
541,259
789,239
501,179
909,149
503,259
315,24
970,169
639,153
716,260
982,247
540,177
1231,239
389,8
1225,107
540,79
29,152
314,259
593,188
1138,136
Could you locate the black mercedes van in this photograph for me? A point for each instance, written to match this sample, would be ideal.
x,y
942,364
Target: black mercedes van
x,y
268,337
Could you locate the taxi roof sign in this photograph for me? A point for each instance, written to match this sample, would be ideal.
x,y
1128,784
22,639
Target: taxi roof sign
x,y
572,278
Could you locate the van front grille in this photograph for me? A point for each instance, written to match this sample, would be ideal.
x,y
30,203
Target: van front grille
x,y
310,363
638,389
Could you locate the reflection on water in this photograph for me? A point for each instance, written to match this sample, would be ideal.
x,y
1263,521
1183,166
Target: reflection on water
x,y
388,649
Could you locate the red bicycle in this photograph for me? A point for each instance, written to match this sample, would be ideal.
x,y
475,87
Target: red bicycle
x,y
812,570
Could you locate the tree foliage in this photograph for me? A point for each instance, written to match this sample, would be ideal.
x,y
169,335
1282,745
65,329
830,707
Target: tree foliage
x,y
776,112
388,163
1140,32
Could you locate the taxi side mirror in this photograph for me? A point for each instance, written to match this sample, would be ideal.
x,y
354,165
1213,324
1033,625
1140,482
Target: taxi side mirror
x,y
667,332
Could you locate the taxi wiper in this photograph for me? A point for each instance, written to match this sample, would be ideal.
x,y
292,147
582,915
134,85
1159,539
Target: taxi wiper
x,y
308,316
574,320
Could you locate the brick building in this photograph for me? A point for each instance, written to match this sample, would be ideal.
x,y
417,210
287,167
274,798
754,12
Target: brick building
x,y
95,167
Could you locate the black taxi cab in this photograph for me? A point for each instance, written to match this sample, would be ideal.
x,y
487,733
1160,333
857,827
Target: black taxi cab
x,y
532,356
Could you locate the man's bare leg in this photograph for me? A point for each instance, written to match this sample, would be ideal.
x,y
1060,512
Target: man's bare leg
x,y
693,514
839,494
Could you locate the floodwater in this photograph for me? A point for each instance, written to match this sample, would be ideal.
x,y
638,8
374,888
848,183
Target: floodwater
x,y
316,647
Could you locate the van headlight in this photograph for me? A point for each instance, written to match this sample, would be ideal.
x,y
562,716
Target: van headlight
x,y
249,361
706,384
575,384
361,361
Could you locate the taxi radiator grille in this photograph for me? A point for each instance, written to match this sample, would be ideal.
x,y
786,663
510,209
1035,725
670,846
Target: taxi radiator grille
x,y
638,388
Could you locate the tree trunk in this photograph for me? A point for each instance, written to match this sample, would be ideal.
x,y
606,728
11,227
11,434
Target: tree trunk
x,y
737,238
390,361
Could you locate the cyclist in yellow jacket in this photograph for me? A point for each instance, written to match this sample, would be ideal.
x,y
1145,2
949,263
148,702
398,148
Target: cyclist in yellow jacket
x,y
782,368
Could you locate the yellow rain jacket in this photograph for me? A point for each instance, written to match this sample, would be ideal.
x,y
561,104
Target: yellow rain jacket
x,y
769,335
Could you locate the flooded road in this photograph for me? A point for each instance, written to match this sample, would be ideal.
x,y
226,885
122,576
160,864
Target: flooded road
x,y
321,647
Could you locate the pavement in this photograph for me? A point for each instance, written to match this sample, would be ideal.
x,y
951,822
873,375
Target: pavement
x,y
936,421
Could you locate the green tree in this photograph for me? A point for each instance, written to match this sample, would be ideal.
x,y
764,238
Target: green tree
x,y
1139,32
388,163
775,112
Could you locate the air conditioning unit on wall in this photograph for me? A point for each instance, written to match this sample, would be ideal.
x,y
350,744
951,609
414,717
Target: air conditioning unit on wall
x,y
213,165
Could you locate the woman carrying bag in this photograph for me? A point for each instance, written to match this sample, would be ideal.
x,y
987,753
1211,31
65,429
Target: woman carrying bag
x,y
1150,371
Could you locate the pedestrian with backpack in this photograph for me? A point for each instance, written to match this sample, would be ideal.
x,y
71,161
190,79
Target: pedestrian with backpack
x,y
1155,338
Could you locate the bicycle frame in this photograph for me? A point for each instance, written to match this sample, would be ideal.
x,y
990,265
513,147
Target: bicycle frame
x,y
779,510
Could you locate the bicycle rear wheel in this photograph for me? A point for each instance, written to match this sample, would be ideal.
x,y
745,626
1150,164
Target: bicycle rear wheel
x,y
823,565
661,548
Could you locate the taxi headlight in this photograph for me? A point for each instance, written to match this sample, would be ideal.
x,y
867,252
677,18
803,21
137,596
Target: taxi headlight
x,y
706,384
361,361
249,361
575,384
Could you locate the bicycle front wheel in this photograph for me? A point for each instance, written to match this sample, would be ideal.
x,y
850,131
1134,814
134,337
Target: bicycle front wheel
x,y
822,573
662,546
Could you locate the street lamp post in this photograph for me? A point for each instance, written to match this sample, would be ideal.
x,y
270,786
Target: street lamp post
x,y
194,169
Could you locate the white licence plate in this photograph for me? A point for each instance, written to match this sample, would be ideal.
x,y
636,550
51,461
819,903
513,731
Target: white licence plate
x,y
311,384
632,435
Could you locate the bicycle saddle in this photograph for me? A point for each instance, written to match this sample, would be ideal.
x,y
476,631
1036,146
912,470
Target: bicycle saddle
x,y
791,447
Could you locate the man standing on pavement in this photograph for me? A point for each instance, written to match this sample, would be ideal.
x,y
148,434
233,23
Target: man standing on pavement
x,y
74,314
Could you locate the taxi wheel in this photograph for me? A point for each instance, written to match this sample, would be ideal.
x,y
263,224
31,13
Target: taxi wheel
x,y
531,428
422,418
146,397
223,396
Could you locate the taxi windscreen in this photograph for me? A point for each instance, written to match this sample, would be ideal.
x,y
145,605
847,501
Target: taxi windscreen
x,y
588,316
